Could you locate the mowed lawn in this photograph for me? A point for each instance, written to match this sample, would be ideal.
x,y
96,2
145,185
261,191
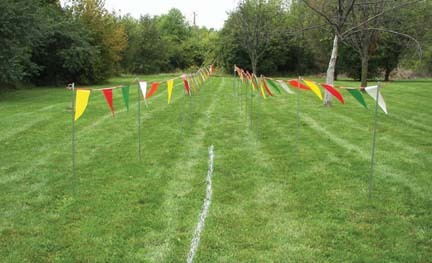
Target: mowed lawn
x,y
279,194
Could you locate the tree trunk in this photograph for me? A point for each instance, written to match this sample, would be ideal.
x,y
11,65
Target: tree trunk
x,y
387,74
364,69
331,71
254,67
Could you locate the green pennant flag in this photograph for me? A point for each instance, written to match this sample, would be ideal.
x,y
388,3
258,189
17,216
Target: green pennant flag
x,y
273,85
358,96
125,92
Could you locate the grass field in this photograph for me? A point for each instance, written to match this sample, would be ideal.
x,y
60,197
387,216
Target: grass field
x,y
273,200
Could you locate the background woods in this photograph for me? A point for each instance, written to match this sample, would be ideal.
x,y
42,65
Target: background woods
x,y
44,42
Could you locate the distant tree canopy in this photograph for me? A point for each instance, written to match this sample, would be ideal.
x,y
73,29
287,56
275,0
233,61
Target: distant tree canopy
x,y
43,43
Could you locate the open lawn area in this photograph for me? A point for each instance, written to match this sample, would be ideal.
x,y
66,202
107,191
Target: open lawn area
x,y
280,194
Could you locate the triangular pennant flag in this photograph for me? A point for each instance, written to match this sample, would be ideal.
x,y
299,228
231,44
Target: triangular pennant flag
x,y
153,89
296,84
108,93
248,75
373,92
285,87
273,85
192,85
334,92
81,101
143,87
125,92
255,81
267,88
170,85
314,87
240,73
262,91
186,84
358,96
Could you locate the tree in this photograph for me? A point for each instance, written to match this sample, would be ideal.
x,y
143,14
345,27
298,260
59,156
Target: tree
x,y
336,14
146,52
106,34
174,31
257,24
63,53
19,32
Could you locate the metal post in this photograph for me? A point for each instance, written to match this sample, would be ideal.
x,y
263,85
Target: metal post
x,y
298,117
73,137
373,144
234,81
190,108
246,101
139,123
182,116
259,113
240,87
252,105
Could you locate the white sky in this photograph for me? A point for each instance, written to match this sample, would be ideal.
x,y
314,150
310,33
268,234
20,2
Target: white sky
x,y
210,13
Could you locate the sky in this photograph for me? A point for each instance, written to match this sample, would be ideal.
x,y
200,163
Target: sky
x,y
210,13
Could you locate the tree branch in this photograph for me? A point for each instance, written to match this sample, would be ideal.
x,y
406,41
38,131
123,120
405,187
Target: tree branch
x,y
419,48
378,15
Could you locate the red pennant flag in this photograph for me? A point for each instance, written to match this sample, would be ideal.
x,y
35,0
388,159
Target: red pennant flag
x,y
334,92
108,93
153,89
248,75
186,83
267,88
295,84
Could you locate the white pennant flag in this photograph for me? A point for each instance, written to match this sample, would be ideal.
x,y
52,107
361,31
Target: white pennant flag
x,y
373,92
285,87
143,87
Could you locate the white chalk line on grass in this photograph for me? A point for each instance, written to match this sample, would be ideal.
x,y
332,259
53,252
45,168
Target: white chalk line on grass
x,y
204,210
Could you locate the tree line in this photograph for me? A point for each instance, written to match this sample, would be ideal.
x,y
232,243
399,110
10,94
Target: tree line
x,y
45,43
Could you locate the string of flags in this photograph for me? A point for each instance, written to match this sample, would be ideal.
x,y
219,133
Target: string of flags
x,y
263,83
192,83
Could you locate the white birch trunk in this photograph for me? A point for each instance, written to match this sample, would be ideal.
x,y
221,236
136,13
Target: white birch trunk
x,y
331,71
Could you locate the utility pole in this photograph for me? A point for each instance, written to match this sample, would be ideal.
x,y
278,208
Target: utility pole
x,y
194,18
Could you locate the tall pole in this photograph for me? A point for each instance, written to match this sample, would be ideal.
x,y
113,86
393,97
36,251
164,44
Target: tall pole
x,y
190,108
259,109
246,101
298,117
139,124
252,104
182,116
234,76
373,144
73,137
240,88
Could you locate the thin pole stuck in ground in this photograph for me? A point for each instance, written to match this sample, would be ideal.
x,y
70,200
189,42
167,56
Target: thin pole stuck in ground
x,y
373,145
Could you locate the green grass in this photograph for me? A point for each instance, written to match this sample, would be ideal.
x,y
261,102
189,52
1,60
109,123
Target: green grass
x,y
272,201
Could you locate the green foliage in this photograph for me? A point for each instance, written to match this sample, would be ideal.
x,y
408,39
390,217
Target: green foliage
x,y
146,52
286,51
19,32
166,43
106,34
44,43
349,63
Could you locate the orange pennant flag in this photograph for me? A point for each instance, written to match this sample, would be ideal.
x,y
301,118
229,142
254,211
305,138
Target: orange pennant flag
x,y
153,89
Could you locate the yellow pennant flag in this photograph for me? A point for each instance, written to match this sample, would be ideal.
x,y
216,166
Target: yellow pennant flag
x,y
314,87
81,101
262,91
170,84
